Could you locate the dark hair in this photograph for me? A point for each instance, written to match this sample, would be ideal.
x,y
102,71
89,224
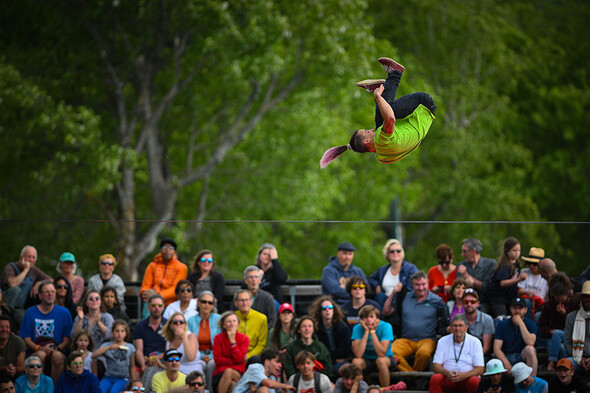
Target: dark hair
x,y
197,267
275,338
367,310
349,370
121,322
456,283
354,280
315,310
4,380
70,358
85,298
181,283
559,285
268,354
106,289
508,244
443,251
300,321
83,332
302,356
355,144
168,241
130,384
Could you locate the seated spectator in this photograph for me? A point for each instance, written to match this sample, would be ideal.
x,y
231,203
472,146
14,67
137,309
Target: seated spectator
x,y
134,385
503,287
33,380
548,268
185,304
371,339
107,277
577,332
163,274
479,324
458,360
12,351
534,284
205,326
63,295
77,379
252,323
108,296
552,320
205,278
84,345
46,328
307,379
375,389
351,380
178,337
261,378
340,268
20,282
443,275
566,380
67,267
171,377
92,318
515,338
389,279
497,381
263,301
273,273
283,333
149,344
307,341
332,331
455,303
357,287
195,380
525,380
230,351
6,385
476,269
421,316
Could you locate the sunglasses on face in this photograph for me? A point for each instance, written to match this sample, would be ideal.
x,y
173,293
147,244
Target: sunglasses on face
x,y
104,263
396,251
156,305
193,384
469,301
183,290
178,322
210,302
73,364
207,260
93,299
135,389
167,248
358,286
34,366
61,286
174,359
328,307
444,262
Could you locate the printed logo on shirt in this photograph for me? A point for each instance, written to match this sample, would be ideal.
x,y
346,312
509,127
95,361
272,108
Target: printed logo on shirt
x,y
44,327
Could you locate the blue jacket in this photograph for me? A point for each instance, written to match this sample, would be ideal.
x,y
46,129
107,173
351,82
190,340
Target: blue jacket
x,y
194,323
331,276
405,275
85,383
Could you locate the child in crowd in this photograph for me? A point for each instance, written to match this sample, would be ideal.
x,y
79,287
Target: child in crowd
x,y
307,379
111,304
120,359
84,344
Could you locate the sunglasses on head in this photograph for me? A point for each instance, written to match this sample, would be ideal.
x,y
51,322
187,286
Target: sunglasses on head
x,y
358,286
156,305
210,302
207,260
328,307
107,263
174,359
136,388
193,384
178,322
395,251
183,290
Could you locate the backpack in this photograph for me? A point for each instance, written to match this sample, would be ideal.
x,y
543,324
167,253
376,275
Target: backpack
x,y
316,381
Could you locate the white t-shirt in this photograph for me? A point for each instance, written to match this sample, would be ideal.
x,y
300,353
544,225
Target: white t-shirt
x,y
309,386
389,282
454,358
535,284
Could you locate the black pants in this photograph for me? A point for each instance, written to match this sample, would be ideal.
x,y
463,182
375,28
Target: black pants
x,y
404,105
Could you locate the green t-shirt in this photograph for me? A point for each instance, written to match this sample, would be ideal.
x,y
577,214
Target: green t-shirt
x,y
407,136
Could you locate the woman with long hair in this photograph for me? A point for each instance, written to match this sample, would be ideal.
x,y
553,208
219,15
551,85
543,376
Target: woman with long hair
x,y
67,267
205,278
93,317
283,333
63,295
178,337
267,259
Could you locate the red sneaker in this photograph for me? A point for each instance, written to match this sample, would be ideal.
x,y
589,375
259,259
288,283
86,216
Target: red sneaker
x,y
370,84
390,65
401,385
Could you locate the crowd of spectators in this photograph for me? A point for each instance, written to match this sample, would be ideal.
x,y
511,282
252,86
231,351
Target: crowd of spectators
x,y
476,325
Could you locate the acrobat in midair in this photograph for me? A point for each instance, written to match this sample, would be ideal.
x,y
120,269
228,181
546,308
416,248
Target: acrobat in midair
x,y
400,125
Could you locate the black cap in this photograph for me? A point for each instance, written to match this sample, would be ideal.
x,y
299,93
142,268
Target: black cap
x,y
346,246
168,241
518,301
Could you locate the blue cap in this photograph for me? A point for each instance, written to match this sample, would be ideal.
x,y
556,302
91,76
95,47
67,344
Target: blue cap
x,y
67,256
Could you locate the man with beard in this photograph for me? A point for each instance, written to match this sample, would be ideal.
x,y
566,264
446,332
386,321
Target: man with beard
x,y
480,324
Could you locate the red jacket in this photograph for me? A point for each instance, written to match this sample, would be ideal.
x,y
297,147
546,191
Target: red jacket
x,y
226,356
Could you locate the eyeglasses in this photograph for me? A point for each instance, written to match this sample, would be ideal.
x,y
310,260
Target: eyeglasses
x,y
328,307
243,300
210,302
395,251
104,263
446,262
469,301
193,384
183,290
207,260
156,305
358,286
61,286
34,366
178,322
136,388
167,248
93,299
48,291
174,359
73,364
252,276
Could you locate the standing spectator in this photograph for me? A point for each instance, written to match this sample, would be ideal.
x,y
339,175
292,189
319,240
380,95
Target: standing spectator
x,y
566,380
77,379
338,270
534,284
577,332
442,276
252,323
63,295
206,278
475,269
525,380
46,328
230,350
283,333
263,301
458,360
107,277
307,341
12,351
356,286
34,381
261,378
21,280
371,340
389,279
497,381
171,377
108,296
307,379
332,331
67,267
205,326
479,324
274,274
515,338
421,313
552,320
351,380
180,338
163,273
149,344
91,317
185,304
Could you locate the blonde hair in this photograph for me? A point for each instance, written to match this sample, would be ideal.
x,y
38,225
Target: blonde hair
x,y
107,256
167,332
388,244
